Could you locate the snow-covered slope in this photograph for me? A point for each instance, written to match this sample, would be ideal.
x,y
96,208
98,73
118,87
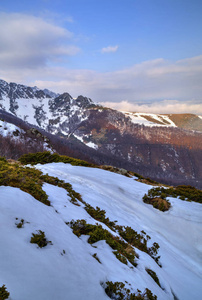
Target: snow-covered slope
x,y
55,113
18,135
148,119
10,129
185,121
66,269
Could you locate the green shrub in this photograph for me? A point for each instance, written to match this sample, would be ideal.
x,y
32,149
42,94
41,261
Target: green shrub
x,y
139,241
97,233
99,215
2,159
75,197
117,290
48,157
154,276
4,294
30,180
20,224
159,203
27,179
120,257
184,192
40,239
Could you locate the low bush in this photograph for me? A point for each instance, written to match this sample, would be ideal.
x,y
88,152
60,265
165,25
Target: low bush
x,y
97,233
184,192
75,197
120,257
31,180
157,202
4,294
47,157
27,179
154,276
139,240
40,239
118,291
20,224
99,215
132,237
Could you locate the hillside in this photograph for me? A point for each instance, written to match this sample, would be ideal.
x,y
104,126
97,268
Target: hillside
x,y
184,121
166,148
72,267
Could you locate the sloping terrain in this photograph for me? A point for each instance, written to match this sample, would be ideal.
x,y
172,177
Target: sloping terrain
x,y
156,146
69,267
187,121
184,121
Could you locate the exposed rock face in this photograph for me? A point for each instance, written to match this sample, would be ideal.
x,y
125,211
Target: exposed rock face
x,y
57,114
154,147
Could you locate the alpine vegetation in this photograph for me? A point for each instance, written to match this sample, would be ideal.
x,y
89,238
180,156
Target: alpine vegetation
x,y
70,231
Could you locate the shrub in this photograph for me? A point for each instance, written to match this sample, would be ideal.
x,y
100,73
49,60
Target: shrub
x,y
4,294
97,233
48,157
27,179
154,276
39,239
99,215
139,241
184,192
118,291
30,180
20,224
120,257
157,202
75,197
2,159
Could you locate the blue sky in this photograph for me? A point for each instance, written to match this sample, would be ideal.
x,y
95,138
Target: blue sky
x,y
128,54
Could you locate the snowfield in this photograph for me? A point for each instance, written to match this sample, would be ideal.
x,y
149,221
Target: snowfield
x,y
66,269
141,118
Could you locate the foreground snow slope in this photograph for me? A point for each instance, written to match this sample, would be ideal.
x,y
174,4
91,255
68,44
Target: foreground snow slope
x,y
66,269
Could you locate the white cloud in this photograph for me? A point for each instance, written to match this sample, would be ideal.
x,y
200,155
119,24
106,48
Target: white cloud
x,y
30,42
161,107
29,46
110,49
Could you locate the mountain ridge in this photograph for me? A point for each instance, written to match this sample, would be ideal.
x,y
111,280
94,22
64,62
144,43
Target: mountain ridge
x,y
149,144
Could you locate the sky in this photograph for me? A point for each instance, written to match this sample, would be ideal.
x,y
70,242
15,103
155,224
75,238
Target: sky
x,y
137,55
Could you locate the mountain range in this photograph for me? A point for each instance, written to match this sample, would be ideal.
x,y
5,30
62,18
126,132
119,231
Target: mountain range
x,y
97,229
165,148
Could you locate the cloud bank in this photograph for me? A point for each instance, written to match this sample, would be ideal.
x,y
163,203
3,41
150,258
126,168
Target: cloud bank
x,y
160,107
31,47
31,42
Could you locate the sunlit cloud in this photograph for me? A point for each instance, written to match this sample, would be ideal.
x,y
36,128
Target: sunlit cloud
x,y
31,42
31,48
161,107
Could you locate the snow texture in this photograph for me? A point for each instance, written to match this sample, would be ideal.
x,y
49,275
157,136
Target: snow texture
x,y
66,269
139,118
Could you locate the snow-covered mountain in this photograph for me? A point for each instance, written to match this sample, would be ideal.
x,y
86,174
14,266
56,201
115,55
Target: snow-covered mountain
x,y
166,148
71,268
62,114
184,121
16,139
57,114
